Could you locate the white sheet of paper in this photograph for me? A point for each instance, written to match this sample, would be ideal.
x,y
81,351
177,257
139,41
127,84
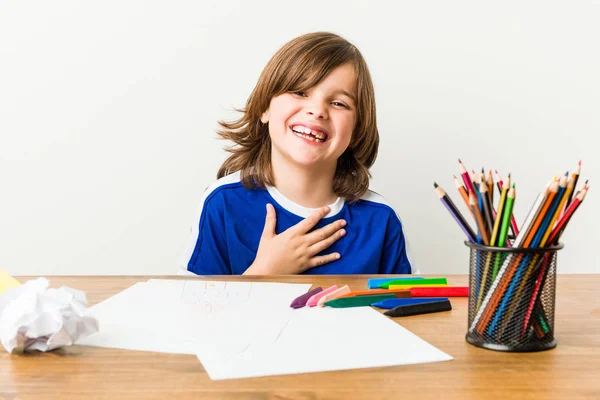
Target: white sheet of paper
x,y
178,316
323,339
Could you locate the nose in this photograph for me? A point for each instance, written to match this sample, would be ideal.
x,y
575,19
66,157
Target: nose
x,y
317,109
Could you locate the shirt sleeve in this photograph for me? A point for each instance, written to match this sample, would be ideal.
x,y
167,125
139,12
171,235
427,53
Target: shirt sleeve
x,y
394,259
208,244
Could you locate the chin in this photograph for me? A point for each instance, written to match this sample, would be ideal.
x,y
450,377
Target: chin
x,y
306,160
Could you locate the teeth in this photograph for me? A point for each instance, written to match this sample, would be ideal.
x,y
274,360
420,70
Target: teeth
x,y
309,137
307,131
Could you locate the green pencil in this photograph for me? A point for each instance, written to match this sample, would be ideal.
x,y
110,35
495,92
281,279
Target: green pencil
x,y
510,202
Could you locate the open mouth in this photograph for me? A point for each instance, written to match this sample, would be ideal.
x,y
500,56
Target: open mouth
x,y
309,134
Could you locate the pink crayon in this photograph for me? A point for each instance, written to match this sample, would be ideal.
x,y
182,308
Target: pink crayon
x,y
316,297
333,295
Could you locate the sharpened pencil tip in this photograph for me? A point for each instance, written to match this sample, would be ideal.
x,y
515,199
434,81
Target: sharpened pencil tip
x,y
567,173
482,170
509,174
459,161
435,185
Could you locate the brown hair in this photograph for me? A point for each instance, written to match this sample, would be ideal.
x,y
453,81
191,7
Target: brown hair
x,y
298,66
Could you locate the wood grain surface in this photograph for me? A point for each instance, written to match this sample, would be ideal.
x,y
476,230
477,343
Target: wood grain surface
x,y
571,370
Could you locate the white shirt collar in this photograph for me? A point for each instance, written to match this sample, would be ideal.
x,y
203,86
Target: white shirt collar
x,y
302,211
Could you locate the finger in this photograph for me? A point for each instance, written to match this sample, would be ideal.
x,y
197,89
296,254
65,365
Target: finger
x,y
322,260
309,222
270,222
323,244
324,232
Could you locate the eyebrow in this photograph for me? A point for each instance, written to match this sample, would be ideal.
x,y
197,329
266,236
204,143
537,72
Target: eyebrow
x,y
345,92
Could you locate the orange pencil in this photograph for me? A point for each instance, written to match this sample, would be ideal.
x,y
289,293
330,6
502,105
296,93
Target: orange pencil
x,y
575,177
463,193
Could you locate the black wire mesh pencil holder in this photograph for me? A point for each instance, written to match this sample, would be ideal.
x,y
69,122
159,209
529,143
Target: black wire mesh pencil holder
x,y
512,294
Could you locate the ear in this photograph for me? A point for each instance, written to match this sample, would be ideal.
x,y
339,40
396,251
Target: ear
x,y
264,118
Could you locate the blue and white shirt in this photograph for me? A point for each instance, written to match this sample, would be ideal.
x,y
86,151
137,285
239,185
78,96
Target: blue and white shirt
x,y
231,218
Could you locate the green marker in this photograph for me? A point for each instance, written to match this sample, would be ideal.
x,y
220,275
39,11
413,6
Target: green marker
x,y
357,301
415,282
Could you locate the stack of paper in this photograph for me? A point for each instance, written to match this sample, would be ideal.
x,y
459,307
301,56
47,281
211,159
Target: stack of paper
x,y
177,316
247,329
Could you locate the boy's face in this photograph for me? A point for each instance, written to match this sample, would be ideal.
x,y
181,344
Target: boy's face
x,y
314,128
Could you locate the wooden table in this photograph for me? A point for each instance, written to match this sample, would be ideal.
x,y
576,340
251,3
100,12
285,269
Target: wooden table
x,y
571,370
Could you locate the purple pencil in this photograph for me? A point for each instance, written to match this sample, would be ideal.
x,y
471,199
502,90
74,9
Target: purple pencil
x,y
464,225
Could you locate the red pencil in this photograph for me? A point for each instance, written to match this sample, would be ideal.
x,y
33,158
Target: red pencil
x,y
466,178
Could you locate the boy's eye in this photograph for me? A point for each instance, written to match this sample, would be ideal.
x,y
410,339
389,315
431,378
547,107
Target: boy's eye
x,y
301,94
337,103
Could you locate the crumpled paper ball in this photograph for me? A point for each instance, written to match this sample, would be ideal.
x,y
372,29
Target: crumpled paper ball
x,y
34,317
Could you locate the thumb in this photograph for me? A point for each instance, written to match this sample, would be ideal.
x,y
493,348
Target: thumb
x,y
270,222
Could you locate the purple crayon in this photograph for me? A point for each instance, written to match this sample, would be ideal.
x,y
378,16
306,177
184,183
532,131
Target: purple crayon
x,y
300,301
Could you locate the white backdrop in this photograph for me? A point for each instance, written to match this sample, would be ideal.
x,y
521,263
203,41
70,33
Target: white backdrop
x,y
108,111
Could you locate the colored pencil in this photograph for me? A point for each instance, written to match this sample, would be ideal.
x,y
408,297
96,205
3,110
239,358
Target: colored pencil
x,y
554,237
522,261
486,270
463,194
489,300
530,263
524,239
510,292
559,228
513,222
444,198
575,177
490,182
506,214
487,208
478,217
465,175
475,180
